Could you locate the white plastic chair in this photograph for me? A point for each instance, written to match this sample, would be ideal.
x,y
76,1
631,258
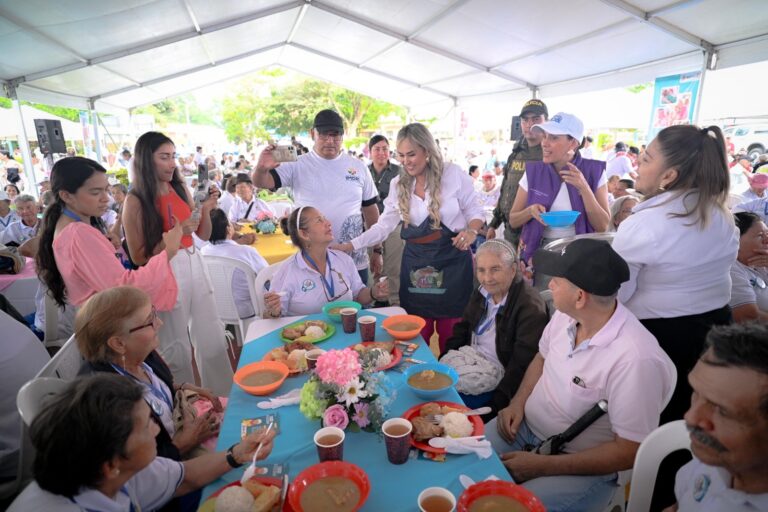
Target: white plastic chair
x,y
264,276
65,364
221,269
661,442
29,401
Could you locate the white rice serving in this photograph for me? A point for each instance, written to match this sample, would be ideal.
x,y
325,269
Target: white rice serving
x,y
456,424
234,499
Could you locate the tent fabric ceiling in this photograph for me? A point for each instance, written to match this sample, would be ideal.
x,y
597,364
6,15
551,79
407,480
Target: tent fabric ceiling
x,y
119,55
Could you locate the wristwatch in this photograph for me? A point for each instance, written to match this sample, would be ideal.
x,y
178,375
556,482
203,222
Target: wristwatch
x,y
231,458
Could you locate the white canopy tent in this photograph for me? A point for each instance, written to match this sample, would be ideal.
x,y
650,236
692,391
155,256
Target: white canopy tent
x,y
113,56
9,123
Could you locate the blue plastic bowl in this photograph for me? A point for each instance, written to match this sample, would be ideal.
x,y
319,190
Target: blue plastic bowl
x,y
336,317
431,394
561,219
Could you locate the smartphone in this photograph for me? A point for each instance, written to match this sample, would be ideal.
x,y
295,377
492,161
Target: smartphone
x,y
285,154
516,130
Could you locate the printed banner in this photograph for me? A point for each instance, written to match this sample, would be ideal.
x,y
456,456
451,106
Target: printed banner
x,y
674,101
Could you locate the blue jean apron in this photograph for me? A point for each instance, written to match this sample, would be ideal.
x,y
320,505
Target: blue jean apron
x,y
435,277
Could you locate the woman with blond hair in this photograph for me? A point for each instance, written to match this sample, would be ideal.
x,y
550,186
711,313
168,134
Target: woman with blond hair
x,y
441,215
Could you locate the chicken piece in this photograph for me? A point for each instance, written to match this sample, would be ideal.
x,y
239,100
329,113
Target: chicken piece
x,y
298,345
430,408
292,334
424,430
446,409
278,354
319,323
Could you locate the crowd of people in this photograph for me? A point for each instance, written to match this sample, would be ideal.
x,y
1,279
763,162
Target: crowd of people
x,y
654,300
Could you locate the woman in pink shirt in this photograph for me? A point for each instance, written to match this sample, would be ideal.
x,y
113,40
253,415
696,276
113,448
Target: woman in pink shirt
x,y
76,259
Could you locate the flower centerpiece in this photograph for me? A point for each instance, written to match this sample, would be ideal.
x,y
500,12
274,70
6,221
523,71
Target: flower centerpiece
x,y
345,391
265,222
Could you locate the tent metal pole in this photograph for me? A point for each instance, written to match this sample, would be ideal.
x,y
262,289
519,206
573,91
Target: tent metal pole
x,y
96,135
26,154
704,67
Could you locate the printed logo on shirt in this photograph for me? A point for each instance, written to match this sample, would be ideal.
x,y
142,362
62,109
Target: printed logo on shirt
x,y
307,285
700,487
352,175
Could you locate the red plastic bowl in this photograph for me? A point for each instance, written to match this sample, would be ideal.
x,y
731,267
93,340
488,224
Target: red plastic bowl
x,y
499,488
324,470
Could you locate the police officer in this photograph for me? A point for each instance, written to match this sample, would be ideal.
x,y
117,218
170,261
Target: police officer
x,y
527,148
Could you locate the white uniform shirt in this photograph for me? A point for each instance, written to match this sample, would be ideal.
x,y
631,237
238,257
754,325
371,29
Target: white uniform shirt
x,y
618,166
338,188
749,195
18,232
757,206
239,209
305,292
675,269
485,343
562,203
703,488
622,364
150,489
226,201
750,286
8,219
459,204
246,254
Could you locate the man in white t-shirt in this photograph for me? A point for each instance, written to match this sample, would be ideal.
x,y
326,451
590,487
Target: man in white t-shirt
x,y
620,165
326,178
728,421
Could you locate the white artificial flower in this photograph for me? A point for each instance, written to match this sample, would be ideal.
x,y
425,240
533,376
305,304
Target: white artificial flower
x,y
352,392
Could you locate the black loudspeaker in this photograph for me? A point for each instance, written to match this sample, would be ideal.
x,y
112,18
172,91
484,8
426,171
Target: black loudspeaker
x,y
50,136
516,131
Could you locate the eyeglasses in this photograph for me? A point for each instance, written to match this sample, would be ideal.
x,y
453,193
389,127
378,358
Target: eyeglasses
x,y
330,135
346,288
151,321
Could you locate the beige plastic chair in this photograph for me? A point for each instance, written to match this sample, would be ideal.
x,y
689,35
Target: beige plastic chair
x,y
546,296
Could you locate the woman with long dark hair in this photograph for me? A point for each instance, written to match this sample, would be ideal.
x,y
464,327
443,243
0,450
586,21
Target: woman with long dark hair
x,y
157,202
76,259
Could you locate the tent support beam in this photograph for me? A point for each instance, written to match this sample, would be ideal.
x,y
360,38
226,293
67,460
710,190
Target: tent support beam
x,y
96,134
708,62
164,41
415,42
26,154
370,70
666,27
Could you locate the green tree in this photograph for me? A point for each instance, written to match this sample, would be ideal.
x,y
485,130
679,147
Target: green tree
x,y
175,110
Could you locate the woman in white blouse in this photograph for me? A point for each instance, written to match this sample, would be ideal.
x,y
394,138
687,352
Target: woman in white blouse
x,y
749,273
441,215
680,243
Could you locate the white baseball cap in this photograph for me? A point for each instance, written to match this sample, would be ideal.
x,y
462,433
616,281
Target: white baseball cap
x,y
563,124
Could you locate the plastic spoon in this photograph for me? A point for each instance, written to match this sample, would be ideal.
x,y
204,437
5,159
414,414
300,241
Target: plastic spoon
x,y
251,470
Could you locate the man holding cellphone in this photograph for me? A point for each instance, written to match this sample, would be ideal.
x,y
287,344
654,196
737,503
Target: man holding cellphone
x,y
331,180
526,149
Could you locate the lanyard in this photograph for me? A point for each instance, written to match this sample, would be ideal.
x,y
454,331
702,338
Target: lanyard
x,y
72,215
249,209
329,286
5,224
123,489
156,391
483,326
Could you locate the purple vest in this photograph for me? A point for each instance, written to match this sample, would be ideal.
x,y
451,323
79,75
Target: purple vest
x,y
543,185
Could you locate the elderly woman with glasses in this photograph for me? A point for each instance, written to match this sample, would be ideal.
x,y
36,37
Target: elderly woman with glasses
x,y
116,332
95,450
316,275
501,326
621,209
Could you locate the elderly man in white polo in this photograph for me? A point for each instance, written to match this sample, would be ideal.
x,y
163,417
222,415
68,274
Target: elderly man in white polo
x,y
593,349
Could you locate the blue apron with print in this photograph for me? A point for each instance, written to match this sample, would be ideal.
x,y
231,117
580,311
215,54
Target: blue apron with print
x,y
435,277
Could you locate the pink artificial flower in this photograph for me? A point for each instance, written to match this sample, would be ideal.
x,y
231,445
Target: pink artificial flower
x,y
361,415
338,367
336,416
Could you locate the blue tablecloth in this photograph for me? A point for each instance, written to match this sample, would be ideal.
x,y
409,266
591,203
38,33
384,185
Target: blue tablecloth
x,y
393,487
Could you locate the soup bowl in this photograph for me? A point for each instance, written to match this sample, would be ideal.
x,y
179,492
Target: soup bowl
x,y
528,502
392,321
430,394
338,306
327,469
272,366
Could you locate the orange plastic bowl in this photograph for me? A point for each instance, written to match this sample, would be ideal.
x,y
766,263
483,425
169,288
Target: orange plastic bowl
x,y
403,335
499,488
261,365
324,470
